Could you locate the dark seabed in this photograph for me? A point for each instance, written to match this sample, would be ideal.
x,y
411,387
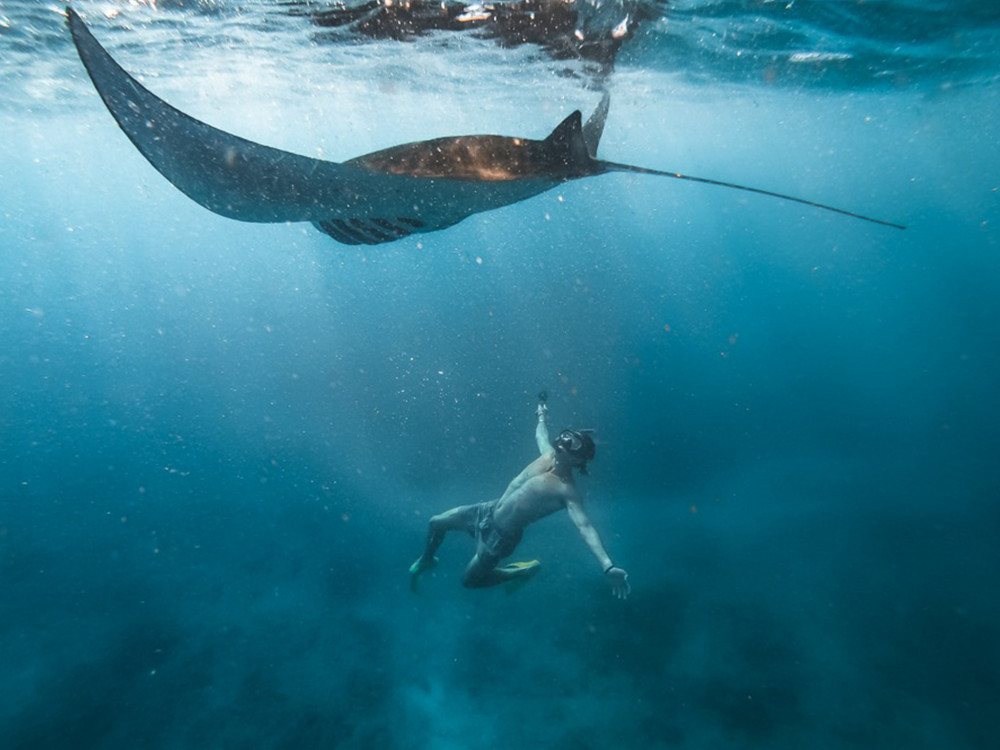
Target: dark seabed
x,y
220,442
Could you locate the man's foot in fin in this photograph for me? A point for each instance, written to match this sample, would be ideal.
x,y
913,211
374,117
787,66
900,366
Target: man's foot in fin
x,y
518,574
419,566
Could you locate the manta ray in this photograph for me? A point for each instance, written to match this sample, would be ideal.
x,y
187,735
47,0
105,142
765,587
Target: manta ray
x,y
371,199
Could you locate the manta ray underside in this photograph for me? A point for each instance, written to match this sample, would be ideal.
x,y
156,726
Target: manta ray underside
x,y
371,199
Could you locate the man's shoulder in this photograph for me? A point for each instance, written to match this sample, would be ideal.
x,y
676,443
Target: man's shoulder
x,y
539,466
562,488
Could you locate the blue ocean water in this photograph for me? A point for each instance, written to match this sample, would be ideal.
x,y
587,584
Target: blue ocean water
x,y
221,441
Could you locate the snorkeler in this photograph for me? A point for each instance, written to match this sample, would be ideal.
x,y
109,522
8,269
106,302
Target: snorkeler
x,y
545,486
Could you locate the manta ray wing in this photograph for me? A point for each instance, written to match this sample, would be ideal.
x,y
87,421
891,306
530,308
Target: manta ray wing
x,y
243,180
226,174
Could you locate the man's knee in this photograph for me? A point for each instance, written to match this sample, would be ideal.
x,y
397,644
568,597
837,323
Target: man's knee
x,y
441,523
445,521
479,573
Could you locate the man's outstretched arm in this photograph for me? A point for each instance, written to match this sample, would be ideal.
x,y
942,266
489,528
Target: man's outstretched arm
x,y
617,577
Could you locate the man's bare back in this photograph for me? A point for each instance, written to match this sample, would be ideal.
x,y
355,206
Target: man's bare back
x,y
545,486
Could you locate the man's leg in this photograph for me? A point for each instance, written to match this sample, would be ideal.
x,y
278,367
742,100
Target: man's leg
x,y
462,518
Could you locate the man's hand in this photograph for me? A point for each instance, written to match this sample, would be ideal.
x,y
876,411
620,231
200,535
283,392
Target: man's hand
x,y
543,410
618,579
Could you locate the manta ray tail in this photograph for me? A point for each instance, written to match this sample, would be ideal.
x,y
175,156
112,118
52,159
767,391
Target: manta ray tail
x,y
613,167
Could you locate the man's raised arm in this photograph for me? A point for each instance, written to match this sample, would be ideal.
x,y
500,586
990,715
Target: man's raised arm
x,y
542,429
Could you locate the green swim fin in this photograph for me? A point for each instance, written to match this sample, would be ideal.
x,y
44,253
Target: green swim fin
x,y
419,566
520,573
517,566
